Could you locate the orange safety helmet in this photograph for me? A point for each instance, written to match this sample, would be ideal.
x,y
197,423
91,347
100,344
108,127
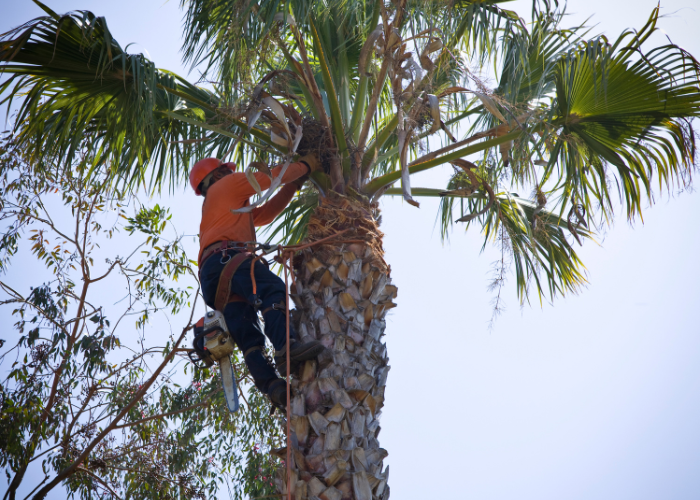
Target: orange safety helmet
x,y
203,168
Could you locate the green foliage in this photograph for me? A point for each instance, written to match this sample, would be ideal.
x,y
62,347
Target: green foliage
x,y
86,85
574,119
95,396
616,109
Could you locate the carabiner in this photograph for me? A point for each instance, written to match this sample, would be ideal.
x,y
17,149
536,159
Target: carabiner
x,y
224,253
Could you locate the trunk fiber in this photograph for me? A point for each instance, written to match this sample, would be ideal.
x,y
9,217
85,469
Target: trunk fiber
x,y
342,291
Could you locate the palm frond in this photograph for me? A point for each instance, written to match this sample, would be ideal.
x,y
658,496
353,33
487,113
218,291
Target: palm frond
x,y
228,37
541,255
533,240
76,81
529,56
378,183
617,106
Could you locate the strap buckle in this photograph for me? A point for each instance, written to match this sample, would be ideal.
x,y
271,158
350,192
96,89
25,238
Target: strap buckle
x,y
277,306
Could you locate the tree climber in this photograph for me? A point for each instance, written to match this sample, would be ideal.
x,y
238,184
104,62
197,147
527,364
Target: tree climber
x,y
224,266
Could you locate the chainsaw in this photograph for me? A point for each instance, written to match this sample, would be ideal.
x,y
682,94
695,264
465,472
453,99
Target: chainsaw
x,y
213,344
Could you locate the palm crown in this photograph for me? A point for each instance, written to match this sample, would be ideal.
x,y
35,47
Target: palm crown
x,y
380,92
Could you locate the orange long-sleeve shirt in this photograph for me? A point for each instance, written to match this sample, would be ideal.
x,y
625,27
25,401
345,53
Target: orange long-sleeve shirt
x,y
233,192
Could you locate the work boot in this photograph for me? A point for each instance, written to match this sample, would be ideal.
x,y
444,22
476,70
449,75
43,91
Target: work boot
x,y
277,392
299,352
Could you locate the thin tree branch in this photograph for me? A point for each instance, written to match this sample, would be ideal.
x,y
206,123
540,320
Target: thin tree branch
x,y
134,400
99,480
174,412
37,487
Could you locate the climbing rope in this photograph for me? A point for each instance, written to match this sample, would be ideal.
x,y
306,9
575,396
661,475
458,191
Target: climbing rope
x,y
289,396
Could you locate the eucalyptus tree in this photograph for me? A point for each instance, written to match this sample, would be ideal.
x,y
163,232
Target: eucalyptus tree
x,y
380,91
89,399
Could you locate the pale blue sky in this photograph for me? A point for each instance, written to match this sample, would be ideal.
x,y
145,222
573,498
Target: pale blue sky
x,y
594,397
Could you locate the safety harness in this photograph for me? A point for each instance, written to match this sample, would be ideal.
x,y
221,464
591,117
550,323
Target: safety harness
x,y
232,263
223,294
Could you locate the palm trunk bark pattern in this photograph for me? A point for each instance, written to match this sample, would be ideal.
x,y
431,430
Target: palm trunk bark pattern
x,y
343,291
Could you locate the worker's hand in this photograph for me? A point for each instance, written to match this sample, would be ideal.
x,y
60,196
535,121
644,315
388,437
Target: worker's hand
x,y
311,160
299,183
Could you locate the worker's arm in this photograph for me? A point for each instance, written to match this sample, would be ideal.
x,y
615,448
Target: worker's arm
x,y
239,185
273,207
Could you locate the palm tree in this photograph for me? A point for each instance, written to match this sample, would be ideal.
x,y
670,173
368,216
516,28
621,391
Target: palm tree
x,y
380,92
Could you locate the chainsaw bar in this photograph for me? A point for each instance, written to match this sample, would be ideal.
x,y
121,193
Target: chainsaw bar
x,y
228,380
216,346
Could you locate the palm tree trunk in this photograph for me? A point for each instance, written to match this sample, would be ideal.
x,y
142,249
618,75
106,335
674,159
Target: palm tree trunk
x,y
343,291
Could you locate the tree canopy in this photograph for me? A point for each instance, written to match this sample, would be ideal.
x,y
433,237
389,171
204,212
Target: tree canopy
x,y
95,395
382,91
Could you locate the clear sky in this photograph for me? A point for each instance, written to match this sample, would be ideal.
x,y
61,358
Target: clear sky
x,y
596,396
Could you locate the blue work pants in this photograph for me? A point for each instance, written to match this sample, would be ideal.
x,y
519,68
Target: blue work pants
x,y
242,318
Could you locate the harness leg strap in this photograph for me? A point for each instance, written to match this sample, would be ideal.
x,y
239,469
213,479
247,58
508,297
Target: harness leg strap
x,y
223,289
254,348
277,307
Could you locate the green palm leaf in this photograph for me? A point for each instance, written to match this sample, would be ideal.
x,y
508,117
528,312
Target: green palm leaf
x,y
78,82
532,239
633,114
574,120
